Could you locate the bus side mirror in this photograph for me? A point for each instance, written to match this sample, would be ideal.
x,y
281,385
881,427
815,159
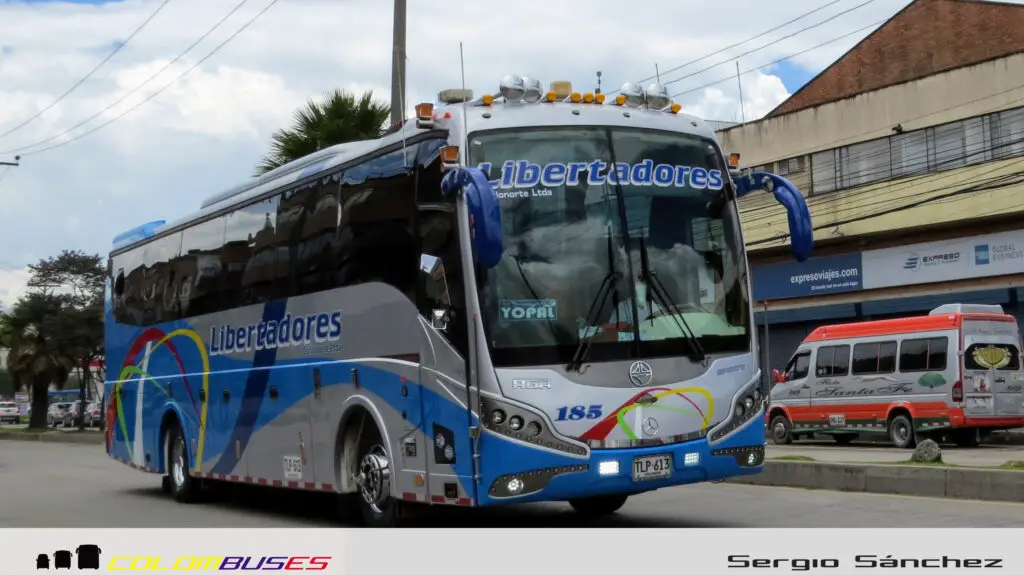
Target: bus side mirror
x,y
484,212
801,232
778,377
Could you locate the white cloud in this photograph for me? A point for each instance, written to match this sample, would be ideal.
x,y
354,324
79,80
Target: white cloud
x,y
13,284
207,132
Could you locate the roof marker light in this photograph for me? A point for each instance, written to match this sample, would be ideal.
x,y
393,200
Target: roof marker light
x,y
620,100
551,96
575,97
675,108
634,95
487,99
588,98
599,98
512,89
561,88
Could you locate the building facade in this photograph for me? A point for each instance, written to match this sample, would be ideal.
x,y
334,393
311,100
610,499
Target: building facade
x,y
910,151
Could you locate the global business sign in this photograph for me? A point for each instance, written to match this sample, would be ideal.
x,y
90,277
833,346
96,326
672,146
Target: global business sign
x,y
947,260
816,276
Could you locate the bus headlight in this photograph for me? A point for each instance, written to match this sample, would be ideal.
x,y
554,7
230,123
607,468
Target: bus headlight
x,y
497,417
515,423
748,404
533,429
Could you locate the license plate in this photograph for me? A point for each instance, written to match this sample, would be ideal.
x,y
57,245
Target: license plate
x,y
652,467
977,401
837,421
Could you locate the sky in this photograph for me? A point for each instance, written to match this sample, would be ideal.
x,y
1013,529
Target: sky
x,y
137,160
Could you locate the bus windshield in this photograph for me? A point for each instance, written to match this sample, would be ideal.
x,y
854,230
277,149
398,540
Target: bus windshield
x,y
640,209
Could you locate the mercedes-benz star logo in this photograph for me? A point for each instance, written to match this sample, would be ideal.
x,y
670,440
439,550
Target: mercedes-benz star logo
x,y
650,426
640,373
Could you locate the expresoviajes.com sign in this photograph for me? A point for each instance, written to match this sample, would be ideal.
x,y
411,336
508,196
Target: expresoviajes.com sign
x,y
961,258
816,276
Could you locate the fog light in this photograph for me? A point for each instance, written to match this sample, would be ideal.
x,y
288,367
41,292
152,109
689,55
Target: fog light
x,y
497,417
748,402
533,429
757,395
608,468
691,459
515,485
739,410
515,423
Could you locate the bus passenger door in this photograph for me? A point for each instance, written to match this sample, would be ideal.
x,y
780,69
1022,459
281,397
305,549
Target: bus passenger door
x,y
795,392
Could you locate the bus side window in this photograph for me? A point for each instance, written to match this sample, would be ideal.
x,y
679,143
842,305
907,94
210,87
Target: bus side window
x,y
201,249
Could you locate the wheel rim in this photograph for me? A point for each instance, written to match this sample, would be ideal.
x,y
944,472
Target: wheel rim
x,y
901,432
779,430
374,477
178,463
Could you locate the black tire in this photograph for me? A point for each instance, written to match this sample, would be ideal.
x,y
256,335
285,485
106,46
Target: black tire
x,y
781,430
598,506
844,438
901,432
183,487
377,507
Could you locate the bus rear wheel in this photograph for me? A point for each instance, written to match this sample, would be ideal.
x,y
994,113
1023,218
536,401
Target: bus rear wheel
x,y
178,482
598,506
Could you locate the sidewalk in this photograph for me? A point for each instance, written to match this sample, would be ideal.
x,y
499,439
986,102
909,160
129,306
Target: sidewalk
x,y
981,456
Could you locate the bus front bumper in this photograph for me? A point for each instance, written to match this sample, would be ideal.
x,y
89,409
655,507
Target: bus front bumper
x,y
537,475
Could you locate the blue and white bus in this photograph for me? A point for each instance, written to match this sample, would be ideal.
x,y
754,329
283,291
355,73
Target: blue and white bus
x,y
528,296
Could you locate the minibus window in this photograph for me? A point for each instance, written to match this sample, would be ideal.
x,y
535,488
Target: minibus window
x,y
833,361
874,358
925,354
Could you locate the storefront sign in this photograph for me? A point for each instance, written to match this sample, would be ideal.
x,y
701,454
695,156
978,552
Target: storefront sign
x,y
962,258
816,276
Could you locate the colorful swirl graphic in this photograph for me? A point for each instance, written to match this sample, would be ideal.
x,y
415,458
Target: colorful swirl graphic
x,y
131,368
618,418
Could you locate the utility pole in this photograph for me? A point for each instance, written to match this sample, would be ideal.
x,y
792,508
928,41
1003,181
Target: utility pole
x,y
398,66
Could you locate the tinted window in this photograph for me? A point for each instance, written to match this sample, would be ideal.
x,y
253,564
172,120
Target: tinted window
x,y
927,354
158,277
984,356
832,361
201,265
127,281
440,261
798,367
376,239
250,236
870,358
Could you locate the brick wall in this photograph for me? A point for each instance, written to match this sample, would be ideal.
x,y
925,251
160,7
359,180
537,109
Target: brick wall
x,y
927,37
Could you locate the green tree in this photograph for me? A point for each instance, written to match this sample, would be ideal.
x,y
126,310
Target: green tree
x,y
83,277
49,333
336,118
31,331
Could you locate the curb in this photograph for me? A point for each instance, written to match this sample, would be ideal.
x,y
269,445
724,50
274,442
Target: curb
x,y
920,481
86,438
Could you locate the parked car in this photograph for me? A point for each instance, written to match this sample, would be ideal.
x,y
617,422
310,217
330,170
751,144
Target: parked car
x,y
92,415
9,413
71,413
55,415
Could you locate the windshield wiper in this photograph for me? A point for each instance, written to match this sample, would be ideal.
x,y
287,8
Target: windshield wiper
x,y
607,288
654,285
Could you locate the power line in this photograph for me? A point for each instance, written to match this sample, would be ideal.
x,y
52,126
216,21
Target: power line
x,y
91,72
720,50
158,92
136,88
773,42
756,68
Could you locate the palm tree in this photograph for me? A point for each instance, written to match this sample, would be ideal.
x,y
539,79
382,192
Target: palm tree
x,y
338,117
32,360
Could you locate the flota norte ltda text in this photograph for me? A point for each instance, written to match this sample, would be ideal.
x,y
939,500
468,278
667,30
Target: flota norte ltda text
x,y
289,331
524,174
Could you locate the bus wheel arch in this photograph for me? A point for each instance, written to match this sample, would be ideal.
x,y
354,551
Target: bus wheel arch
x,y
780,426
365,465
900,427
169,420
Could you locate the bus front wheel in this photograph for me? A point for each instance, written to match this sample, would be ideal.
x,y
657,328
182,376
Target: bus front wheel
x,y
598,506
373,479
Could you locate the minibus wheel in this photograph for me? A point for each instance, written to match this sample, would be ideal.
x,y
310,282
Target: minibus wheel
x,y
901,432
781,430
598,506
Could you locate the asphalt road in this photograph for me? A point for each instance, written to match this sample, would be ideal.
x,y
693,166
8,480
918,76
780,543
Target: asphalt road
x,y
64,485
